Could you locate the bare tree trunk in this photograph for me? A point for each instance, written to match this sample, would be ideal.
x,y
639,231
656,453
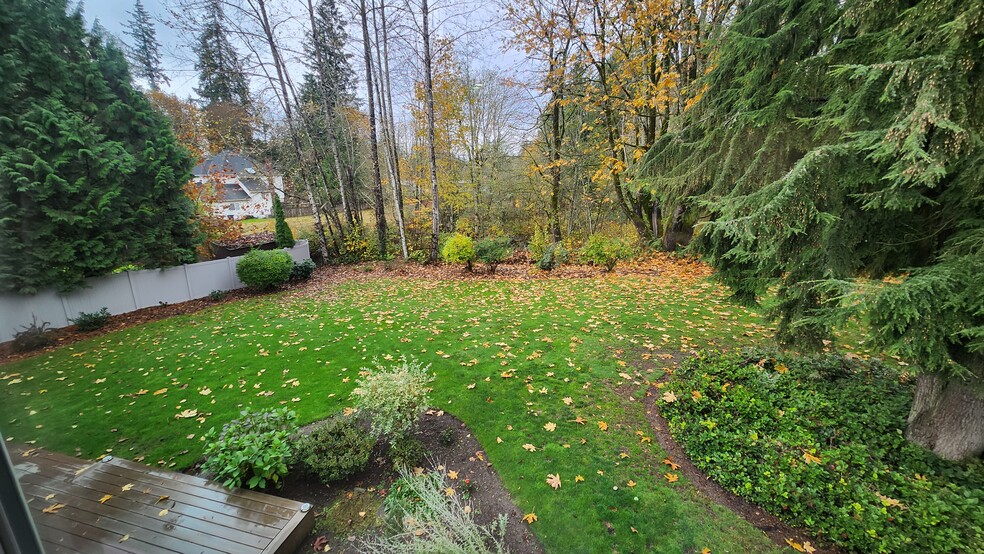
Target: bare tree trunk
x,y
947,416
275,53
377,182
431,138
555,169
389,142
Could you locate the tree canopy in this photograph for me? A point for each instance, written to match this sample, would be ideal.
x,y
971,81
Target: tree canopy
x,y
836,153
90,174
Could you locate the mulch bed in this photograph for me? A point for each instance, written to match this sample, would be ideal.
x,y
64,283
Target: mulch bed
x,y
489,497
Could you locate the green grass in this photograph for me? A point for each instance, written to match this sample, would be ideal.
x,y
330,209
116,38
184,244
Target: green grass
x,y
595,341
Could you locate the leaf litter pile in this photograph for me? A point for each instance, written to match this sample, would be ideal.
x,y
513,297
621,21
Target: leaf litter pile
x,y
531,362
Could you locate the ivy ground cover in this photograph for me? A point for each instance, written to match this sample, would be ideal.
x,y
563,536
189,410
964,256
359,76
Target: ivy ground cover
x,y
549,374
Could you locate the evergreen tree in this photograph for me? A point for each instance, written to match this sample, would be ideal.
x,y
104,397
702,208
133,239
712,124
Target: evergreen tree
x,y
838,149
285,237
90,174
144,53
325,57
221,78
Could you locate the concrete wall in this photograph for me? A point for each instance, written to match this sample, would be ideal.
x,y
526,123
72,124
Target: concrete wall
x,y
125,292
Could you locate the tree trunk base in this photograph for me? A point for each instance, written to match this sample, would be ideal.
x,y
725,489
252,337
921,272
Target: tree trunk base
x,y
947,417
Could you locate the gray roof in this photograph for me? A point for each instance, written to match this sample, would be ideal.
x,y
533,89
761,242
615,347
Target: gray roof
x,y
226,162
232,192
255,185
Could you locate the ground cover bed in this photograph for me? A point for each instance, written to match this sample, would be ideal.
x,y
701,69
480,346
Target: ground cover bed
x,y
819,442
548,373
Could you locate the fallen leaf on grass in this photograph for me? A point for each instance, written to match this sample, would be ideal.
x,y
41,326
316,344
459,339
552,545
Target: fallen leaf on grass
x,y
631,483
671,477
530,518
550,426
186,414
553,481
159,391
578,478
603,425
529,447
670,463
568,400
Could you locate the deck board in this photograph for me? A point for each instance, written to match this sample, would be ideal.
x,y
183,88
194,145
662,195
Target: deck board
x,y
201,516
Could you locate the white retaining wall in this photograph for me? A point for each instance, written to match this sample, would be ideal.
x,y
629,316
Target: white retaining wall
x,y
125,292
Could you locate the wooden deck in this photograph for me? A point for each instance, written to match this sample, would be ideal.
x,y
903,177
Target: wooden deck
x,y
117,506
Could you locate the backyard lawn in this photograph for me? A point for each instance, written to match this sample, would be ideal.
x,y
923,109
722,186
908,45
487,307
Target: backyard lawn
x,y
549,374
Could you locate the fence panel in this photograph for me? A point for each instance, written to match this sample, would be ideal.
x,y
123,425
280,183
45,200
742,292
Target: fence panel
x,y
125,292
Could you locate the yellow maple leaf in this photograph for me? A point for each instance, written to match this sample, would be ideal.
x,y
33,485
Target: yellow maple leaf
x,y
795,545
578,478
105,498
670,463
781,368
553,481
186,414
631,483
671,477
449,491
696,395
550,426
452,475
529,447
127,487
603,425
160,391
669,397
530,518
810,458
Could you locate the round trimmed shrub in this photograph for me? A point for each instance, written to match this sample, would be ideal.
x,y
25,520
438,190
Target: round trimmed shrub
x,y
459,249
264,269
336,449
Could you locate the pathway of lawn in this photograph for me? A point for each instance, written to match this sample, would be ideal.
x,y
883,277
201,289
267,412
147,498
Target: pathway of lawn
x,y
526,364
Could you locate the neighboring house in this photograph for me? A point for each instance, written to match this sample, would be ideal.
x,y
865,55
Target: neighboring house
x,y
242,186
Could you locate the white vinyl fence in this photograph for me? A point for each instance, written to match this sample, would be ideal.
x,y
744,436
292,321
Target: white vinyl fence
x,y
125,292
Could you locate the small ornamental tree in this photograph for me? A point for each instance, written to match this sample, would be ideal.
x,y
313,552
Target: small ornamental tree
x,y
459,249
285,238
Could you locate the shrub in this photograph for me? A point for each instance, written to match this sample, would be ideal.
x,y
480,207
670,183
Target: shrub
x,y
217,295
493,252
555,255
394,397
265,269
357,247
459,249
87,321
253,449
429,520
335,449
407,451
419,256
302,271
818,442
607,251
33,336
538,244
285,238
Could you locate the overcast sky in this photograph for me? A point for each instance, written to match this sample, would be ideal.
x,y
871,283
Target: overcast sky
x,y
487,44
